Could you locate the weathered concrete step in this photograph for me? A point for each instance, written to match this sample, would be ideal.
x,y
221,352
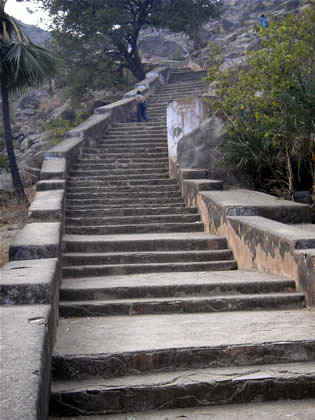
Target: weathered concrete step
x,y
177,341
96,159
107,202
122,269
150,257
138,129
134,142
75,204
190,388
175,285
126,155
179,93
124,166
134,148
118,172
121,179
135,228
123,189
178,88
143,242
136,211
120,220
205,304
139,134
98,181
111,195
136,125
275,410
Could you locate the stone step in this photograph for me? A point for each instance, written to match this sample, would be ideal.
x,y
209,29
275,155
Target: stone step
x,y
170,342
135,125
178,93
87,205
204,304
190,388
132,220
133,141
275,410
137,211
140,147
106,202
122,166
176,285
96,159
111,195
135,228
98,181
186,86
125,155
123,269
118,172
122,189
137,129
151,257
144,242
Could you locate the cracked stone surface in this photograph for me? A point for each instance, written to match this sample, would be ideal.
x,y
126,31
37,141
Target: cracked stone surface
x,y
280,410
99,335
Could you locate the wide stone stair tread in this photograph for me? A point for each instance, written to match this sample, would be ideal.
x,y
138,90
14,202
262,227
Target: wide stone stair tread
x,y
184,331
275,410
176,285
80,258
120,189
124,195
129,211
77,204
135,228
118,220
120,269
184,304
186,388
144,242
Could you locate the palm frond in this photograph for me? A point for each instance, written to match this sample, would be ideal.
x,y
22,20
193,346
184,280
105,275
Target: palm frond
x,y
25,65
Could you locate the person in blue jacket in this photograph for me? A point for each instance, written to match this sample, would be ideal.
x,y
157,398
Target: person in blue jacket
x,y
263,21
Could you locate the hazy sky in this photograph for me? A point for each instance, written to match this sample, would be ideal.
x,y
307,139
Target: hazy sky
x,y
21,11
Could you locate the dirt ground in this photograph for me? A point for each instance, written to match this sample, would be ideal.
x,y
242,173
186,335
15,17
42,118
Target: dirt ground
x,y
13,216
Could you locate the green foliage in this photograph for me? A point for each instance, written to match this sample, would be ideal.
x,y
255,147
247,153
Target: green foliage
x,y
118,23
268,106
61,127
85,67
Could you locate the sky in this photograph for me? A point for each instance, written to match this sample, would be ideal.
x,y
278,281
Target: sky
x,y
21,11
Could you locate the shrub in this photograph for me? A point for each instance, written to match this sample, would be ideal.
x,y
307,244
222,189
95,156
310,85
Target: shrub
x,y
269,108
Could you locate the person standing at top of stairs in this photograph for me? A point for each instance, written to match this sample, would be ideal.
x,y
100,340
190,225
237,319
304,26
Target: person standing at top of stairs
x,y
141,106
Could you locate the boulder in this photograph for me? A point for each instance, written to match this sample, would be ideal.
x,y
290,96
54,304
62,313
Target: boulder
x,y
199,149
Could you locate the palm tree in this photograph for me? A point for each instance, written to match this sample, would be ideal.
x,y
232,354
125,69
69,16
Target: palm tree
x,y
22,65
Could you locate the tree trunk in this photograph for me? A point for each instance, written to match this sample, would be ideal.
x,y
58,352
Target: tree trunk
x,y
290,175
16,179
135,65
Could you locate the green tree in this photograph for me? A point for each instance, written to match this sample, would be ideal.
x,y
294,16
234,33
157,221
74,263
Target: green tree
x,y
269,106
119,22
22,64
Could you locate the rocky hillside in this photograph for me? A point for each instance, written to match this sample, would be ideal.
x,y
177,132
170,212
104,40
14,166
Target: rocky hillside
x,y
233,31
37,35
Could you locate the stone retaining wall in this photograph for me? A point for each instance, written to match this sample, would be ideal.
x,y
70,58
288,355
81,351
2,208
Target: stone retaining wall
x,y
259,228
29,283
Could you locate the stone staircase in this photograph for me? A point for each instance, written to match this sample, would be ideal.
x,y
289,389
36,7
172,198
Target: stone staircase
x,y
153,312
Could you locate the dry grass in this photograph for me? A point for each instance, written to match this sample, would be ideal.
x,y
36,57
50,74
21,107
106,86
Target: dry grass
x,y
13,216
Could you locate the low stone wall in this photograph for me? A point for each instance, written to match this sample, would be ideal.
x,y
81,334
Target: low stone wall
x,y
259,228
29,283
